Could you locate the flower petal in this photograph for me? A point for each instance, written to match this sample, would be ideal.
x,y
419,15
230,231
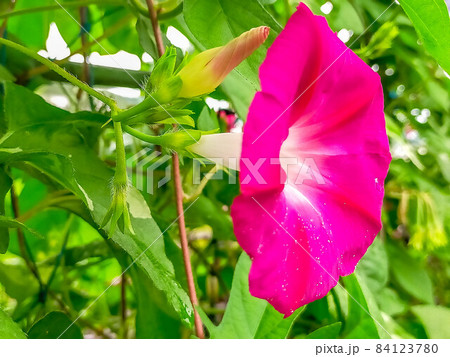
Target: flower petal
x,y
321,105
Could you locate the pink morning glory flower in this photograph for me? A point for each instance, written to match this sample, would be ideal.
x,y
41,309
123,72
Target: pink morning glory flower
x,y
315,155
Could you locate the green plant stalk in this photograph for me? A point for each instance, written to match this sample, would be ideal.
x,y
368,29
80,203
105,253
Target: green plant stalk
x,y
66,5
65,234
179,196
66,75
25,250
156,140
147,103
339,313
120,177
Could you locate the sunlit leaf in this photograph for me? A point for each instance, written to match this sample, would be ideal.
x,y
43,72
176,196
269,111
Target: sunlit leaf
x,y
432,22
8,328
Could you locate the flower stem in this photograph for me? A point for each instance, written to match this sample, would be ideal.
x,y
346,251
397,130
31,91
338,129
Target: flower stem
x,y
54,67
179,195
23,245
147,103
120,177
156,140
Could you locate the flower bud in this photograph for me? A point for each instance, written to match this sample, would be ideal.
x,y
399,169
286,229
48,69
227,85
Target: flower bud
x,y
206,71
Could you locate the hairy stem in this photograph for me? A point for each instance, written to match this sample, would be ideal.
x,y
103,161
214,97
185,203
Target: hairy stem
x,y
179,195
120,177
54,67
147,103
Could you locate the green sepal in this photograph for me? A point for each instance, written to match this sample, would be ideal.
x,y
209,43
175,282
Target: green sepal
x,y
162,71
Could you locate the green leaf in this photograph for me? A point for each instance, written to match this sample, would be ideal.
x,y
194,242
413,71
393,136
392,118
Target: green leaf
x,y
53,326
126,39
207,120
207,211
33,28
374,266
8,328
155,318
6,222
432,23
247,316
435,319
16,279
240,92
410,274
147,38
390,303
216,22
364,319
89,179
330,331
5,74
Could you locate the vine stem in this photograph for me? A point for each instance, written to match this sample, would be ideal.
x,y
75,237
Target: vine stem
x,y
86,75
156,28
12,4
23,246
66,75
123,305
120,178
179,194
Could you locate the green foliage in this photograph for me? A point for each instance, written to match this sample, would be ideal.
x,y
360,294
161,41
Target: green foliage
x,y
364,318
8,329
88,178
432,22
247,316
55,325
330,331
407,271
435,320
215,22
